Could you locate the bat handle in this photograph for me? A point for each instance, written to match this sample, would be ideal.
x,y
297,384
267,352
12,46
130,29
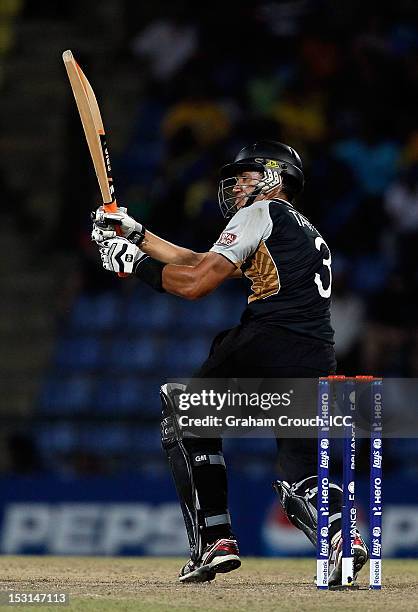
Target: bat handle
x,y
113,207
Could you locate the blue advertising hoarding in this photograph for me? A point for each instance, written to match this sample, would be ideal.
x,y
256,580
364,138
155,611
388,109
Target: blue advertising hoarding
x,y
139,515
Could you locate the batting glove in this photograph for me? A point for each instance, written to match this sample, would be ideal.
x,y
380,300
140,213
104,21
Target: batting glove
x,y
120,255
104,225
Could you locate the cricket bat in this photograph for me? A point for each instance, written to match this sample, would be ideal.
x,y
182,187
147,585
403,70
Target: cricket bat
x,y
91,120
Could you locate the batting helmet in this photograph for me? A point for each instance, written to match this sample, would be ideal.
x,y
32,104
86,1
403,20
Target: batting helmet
x,y
278,163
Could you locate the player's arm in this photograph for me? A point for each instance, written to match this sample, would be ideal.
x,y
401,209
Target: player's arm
x,y
170,253
152,245
191,282
237,242
104,225
194,282
167,252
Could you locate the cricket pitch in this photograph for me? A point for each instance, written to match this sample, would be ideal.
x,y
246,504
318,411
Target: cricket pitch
x,y
150,584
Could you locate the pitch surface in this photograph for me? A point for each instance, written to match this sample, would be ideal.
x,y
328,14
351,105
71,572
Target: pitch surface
x,y
150,585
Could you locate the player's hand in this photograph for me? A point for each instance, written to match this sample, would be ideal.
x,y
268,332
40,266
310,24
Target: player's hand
x,y
101,230
100,234
120,255
104,225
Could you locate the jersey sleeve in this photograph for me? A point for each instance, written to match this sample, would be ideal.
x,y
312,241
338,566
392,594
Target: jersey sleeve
x,y
243,234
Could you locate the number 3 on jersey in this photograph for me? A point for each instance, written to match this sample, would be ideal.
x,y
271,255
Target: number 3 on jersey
x,y
325,293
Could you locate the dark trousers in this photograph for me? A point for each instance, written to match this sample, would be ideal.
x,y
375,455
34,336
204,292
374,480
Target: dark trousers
x,y
259,351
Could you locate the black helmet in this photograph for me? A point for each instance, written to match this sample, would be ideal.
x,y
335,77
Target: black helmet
x,y
279,163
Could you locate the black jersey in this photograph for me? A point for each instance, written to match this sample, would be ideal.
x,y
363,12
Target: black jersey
x,y
287,265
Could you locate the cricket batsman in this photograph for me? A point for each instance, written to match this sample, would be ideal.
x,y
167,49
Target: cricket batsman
x,y
285,332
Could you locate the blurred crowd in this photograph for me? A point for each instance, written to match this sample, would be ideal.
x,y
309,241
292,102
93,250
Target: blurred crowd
x,y
337,81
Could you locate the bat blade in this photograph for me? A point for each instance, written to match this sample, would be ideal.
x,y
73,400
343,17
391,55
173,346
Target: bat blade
x,y
91,120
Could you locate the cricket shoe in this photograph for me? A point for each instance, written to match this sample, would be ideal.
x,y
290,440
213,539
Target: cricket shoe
x,y
219,557
361,555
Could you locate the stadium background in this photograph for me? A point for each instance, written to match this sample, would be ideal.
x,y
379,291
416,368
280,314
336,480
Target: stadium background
x,y
182,86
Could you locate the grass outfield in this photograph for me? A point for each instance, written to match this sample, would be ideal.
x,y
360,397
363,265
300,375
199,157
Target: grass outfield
x,y
149,584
